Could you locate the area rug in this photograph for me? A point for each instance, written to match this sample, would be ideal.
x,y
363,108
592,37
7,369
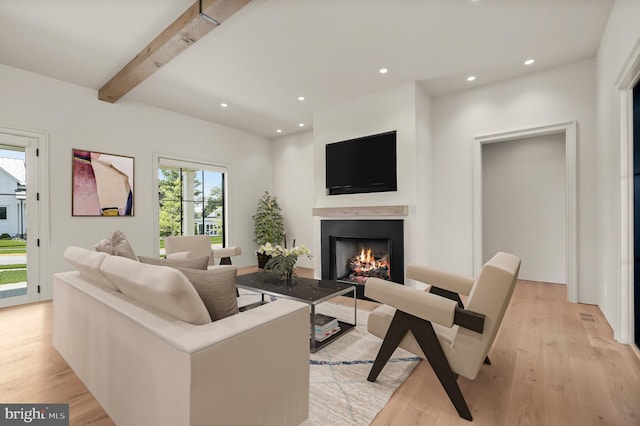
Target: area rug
x,y
339,393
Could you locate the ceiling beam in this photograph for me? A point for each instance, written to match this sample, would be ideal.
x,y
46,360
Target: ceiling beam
x,y
197,21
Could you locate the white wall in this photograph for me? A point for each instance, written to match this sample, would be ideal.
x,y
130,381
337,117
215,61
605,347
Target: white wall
x,y
73,117
293,185
524,205
392,109
621,36
558,95
405,109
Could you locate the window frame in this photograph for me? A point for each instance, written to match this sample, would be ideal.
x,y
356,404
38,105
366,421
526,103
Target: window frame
x,y
171,161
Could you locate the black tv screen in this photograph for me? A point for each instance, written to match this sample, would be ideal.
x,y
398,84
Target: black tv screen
x,y
361,165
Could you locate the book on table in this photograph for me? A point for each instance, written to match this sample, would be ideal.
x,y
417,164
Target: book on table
x,y
325,326
324,322
322,336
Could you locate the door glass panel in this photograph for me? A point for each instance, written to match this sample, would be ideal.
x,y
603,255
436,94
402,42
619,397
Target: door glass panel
x,y
13,222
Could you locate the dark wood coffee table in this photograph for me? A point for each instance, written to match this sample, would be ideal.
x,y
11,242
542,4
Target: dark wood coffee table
x,y
307,290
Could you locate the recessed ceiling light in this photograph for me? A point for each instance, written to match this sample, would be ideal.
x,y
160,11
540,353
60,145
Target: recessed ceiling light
x,y
529,61
383,71
301,98
279,131
301,124
471,78
223,105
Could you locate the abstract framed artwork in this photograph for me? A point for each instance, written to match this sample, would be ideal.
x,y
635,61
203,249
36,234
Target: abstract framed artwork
x,y
102,184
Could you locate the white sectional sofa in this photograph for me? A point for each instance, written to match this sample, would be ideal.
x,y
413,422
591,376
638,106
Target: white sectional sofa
x,y
147,367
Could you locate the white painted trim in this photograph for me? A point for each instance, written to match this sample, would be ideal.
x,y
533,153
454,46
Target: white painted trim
x,y
37,264
629,76
569,130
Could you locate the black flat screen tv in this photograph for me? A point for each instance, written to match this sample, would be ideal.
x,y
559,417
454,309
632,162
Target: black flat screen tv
x,y
366,164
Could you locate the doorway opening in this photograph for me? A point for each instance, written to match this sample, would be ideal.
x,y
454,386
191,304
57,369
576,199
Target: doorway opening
x,y
568,132
523,208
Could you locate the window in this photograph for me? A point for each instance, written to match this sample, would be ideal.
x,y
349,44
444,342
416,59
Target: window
x,y
3,212
191,200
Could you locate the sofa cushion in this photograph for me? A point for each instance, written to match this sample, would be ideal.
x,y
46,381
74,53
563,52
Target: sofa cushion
x,y
161,287
88,263
217,289
201,263
116,244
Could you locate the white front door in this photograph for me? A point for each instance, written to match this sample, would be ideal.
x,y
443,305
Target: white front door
x,y
20,272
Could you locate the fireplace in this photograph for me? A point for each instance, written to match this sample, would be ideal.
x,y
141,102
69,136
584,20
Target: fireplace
x,y
354,250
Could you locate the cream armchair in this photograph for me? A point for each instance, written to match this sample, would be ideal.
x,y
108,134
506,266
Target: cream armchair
x,y
435,325
198,246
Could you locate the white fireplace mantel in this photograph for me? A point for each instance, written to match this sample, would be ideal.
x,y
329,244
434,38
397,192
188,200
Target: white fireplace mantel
x,y
402,210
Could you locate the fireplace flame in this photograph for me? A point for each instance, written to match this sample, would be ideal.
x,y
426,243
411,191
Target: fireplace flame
x,y
366,265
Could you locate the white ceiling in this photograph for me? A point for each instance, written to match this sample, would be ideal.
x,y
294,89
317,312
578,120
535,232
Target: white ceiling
x,y
272,51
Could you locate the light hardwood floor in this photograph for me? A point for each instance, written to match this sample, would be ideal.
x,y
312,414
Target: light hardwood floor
x,y
553,363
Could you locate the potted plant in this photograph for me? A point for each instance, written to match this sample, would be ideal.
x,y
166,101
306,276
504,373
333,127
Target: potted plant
x,y
268,225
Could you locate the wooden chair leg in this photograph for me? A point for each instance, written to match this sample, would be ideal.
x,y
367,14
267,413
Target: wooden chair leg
x,y
397,330
430,345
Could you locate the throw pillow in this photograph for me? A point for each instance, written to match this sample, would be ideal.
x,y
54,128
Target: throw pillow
x,y
88,263
163,288
201,263
217,289
117,245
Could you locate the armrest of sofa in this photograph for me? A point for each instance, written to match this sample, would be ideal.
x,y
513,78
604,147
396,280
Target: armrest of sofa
x,y
445,280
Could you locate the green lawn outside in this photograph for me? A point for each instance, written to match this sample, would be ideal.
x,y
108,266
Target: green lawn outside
x,y
13,243
17,266
214,240
13,276
9,277
13,246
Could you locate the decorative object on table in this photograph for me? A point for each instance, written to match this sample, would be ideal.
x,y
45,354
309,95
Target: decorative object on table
x,y
283,260
268,225
102,184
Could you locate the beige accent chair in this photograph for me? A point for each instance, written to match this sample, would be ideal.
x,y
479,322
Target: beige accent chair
x,y
198,246
436,326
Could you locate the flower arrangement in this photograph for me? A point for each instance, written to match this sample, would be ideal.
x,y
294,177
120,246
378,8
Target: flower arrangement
x,y
283,260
